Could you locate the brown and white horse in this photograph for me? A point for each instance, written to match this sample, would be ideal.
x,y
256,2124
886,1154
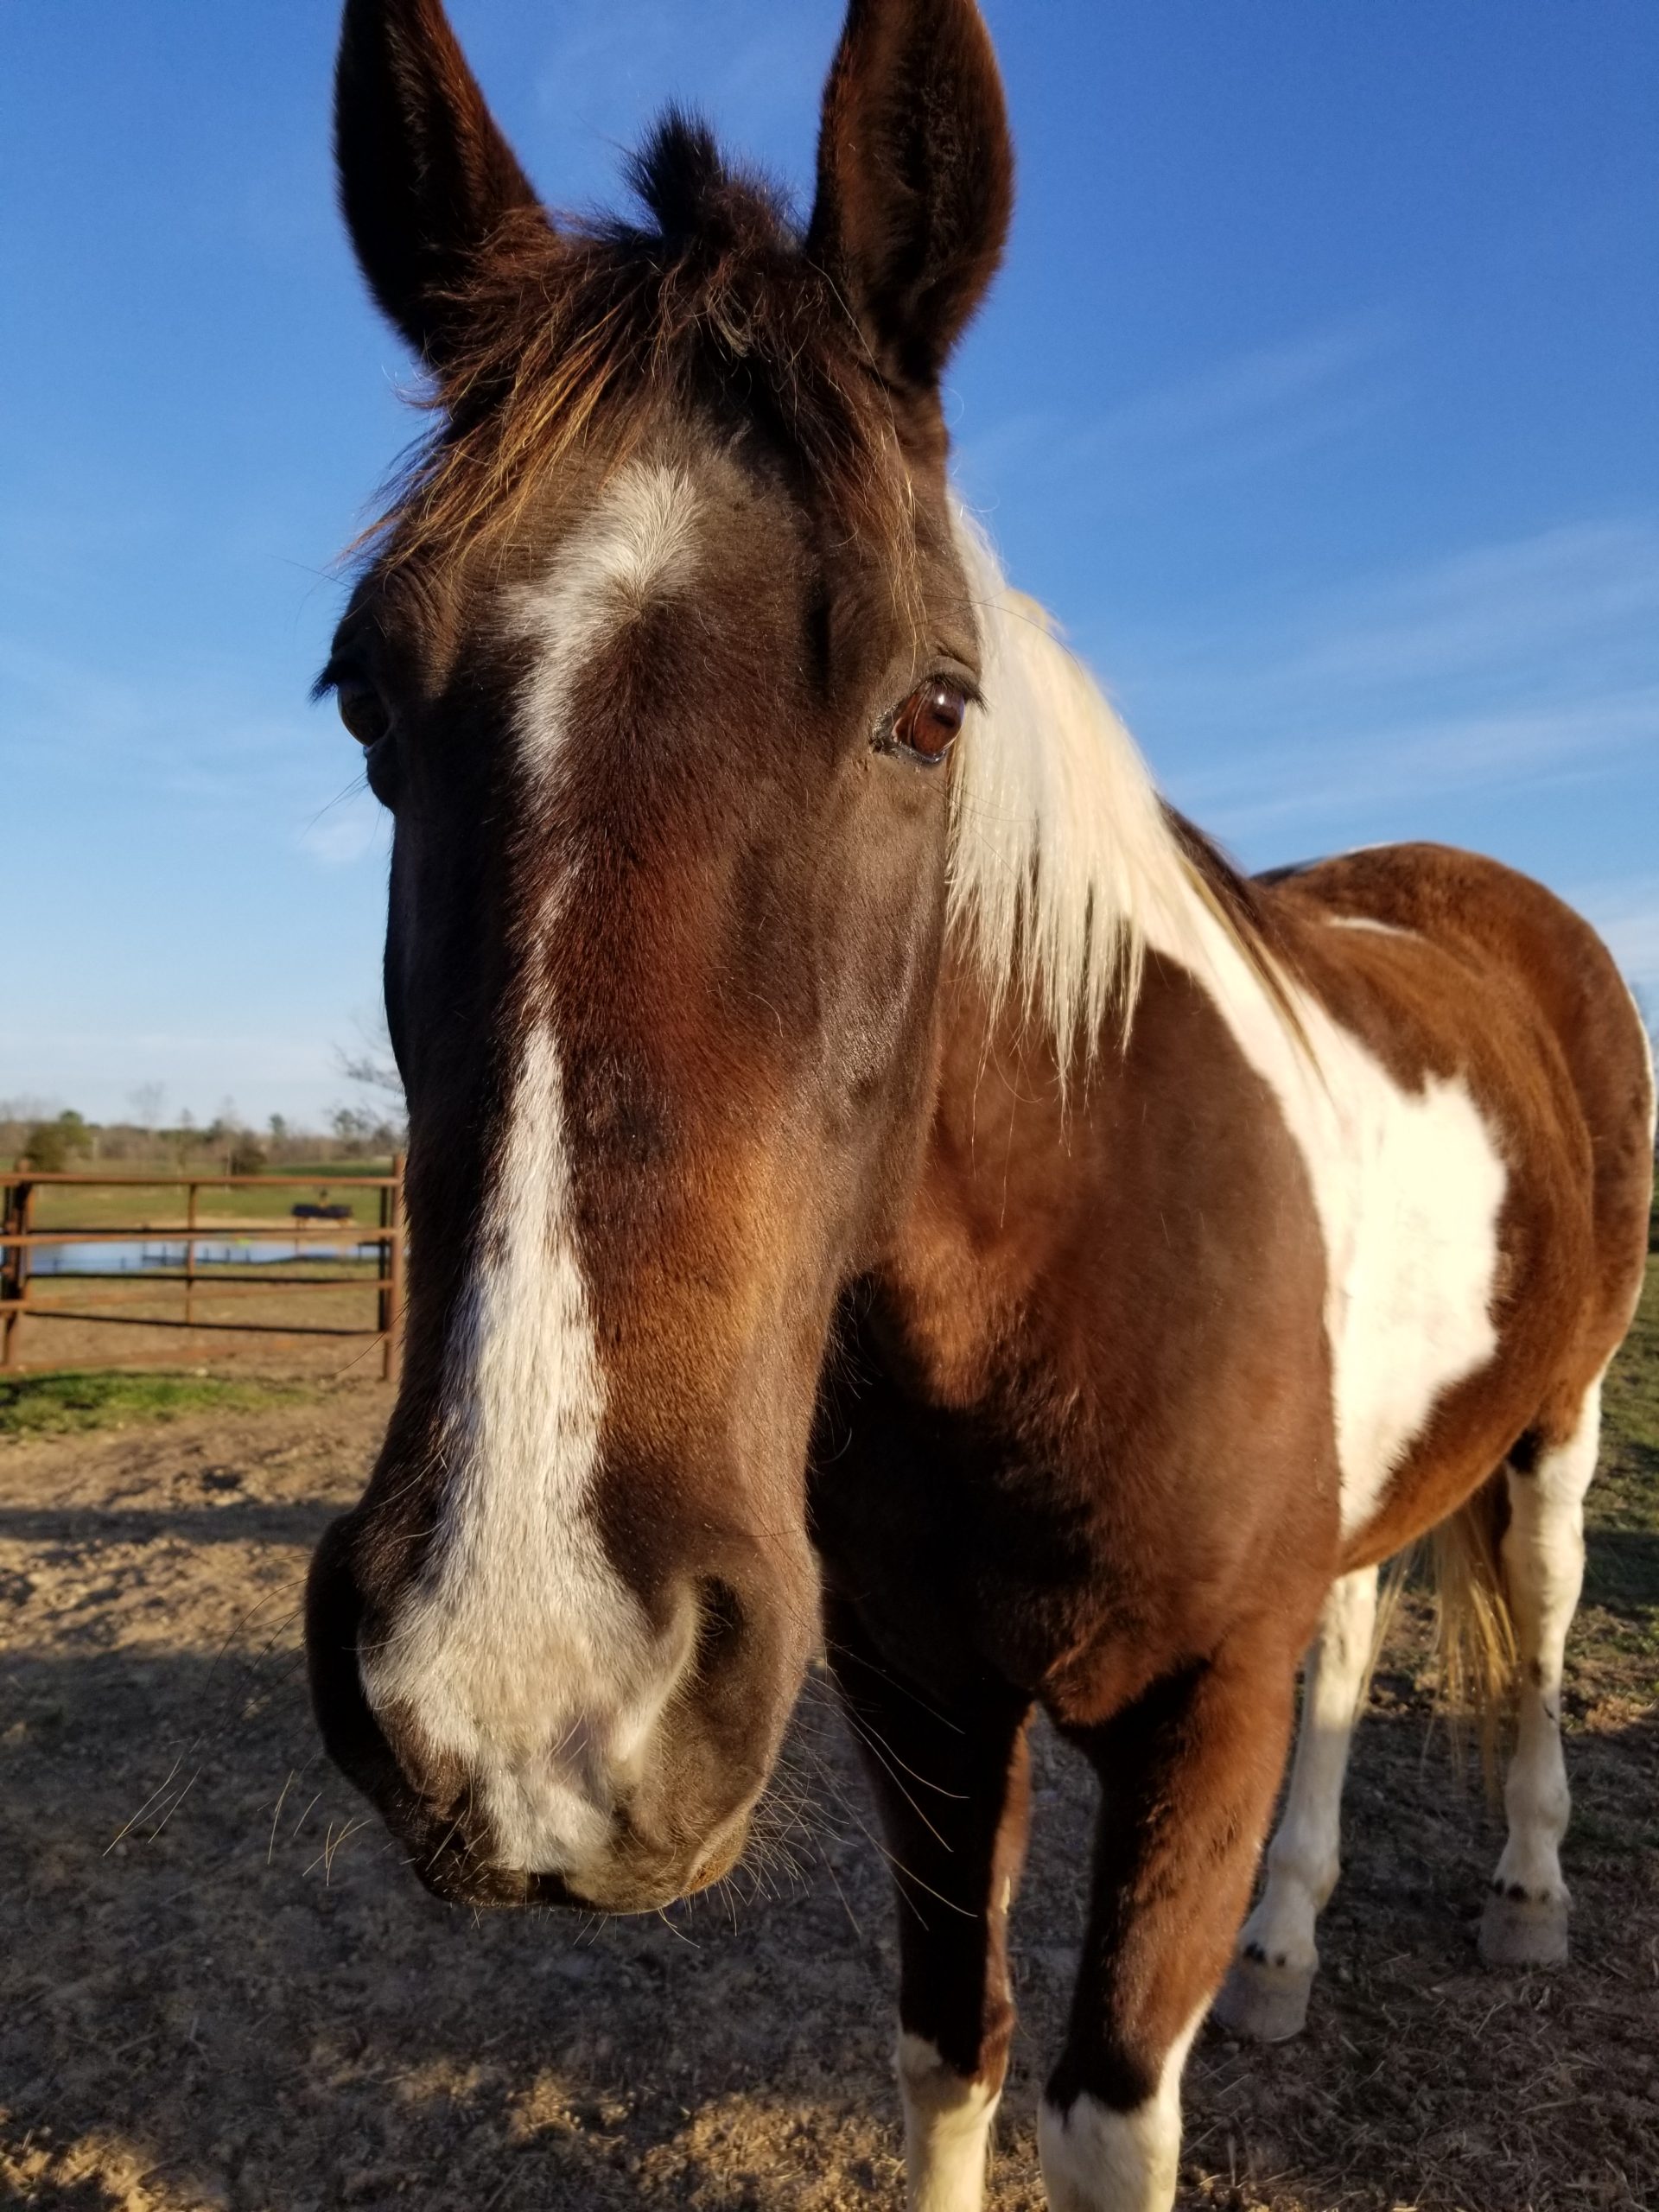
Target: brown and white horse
x,y
878,1177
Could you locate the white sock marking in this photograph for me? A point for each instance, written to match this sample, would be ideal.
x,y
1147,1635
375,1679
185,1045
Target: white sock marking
x,y
947,2130
1304,1857
1095,2160
1543,1561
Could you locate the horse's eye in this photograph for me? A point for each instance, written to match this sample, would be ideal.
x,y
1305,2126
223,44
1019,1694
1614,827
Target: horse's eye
x,y
931,720
362,709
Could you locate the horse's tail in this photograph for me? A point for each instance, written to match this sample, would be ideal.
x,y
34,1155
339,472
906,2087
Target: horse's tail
x,y
1475,1647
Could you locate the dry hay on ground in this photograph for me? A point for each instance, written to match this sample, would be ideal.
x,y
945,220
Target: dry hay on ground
x,y
246,2002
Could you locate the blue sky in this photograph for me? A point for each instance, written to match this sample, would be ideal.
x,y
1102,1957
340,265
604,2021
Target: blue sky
x,y
1318,398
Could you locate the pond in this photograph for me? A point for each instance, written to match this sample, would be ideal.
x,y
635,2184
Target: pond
x,y
155,1255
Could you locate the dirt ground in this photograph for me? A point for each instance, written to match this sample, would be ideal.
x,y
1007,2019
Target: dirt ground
x,y
219,1988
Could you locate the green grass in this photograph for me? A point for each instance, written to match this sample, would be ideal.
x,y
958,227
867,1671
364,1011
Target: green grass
x,y
138,1205
1627,1490
1622,1512
57,1402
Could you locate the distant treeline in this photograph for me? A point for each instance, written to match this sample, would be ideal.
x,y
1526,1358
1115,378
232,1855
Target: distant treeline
x,y
55,1141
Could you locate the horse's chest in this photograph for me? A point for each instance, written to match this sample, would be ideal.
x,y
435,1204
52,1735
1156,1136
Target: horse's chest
x,y
1080,1565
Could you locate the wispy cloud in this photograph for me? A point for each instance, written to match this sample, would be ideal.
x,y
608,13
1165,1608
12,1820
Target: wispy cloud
x,y
196,745
1421,761
1479,609
1248,412
1525,662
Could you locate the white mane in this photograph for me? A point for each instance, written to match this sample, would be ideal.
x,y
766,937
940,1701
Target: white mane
x,y
1065,867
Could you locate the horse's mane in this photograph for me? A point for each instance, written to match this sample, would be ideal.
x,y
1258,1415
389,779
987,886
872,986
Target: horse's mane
x,y
1067,865
606,325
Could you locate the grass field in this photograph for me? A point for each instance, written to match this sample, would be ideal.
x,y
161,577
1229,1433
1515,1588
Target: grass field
x,y
1622,1580
136,1204
78,1399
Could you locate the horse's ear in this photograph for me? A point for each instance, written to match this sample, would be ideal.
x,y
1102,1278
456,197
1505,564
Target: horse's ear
x,y
915,177
427,180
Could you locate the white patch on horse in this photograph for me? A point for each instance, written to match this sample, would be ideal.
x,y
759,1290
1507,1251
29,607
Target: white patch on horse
x,y
947,2130
1367,922
521,1655
1408,1186
1095,2160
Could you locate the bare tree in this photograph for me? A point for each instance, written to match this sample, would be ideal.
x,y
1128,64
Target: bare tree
x,y
373,1068
147,1101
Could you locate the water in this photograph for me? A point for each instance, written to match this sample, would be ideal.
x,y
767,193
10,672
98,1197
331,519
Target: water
x,y
151,1254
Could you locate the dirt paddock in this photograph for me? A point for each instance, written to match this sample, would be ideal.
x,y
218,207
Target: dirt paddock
x,y
219,1988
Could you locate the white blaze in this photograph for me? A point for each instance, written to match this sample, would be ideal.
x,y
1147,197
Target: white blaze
x,y
521,1654
635,549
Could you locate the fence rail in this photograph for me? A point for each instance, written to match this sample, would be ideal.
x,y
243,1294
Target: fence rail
x,y
19,1239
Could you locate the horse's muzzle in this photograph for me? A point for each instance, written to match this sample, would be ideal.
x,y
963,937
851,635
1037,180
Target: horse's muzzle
x,y
431,1808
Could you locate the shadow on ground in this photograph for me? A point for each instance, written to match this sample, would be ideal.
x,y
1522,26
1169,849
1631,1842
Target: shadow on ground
x,y
221,1989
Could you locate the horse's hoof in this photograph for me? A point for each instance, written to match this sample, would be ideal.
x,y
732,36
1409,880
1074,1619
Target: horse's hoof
x,y
1519,1930
1267,2003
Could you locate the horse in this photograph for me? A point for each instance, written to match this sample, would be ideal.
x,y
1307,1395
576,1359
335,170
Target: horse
x,y
881,1182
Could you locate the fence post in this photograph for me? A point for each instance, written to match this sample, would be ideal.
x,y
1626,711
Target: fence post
x,y
391,1273
14,1269
190,1256
7,1256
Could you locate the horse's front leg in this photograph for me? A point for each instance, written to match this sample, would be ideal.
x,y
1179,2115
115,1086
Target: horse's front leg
x,y
951,1778
1188,1778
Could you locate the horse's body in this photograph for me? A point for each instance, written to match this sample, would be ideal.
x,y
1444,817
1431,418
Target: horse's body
x,y
822,1129
1148,1372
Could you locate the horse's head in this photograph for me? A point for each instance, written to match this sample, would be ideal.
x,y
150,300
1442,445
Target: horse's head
x,y
658,663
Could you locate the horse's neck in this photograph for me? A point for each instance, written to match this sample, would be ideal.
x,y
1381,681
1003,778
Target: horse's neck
x,y
1025,1173
1078,909
997,1182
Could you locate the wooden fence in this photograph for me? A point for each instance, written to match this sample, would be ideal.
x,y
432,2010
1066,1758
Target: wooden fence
x,y
19,1238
